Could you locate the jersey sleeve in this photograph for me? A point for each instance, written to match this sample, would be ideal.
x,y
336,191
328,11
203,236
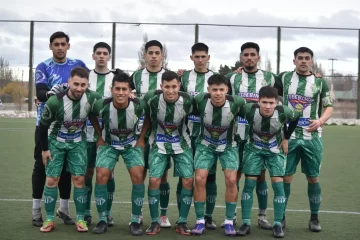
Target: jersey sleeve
x,y
132,84
40,74
325,94
245,109
279,83
49,112
97,106
290,114
228,77
240,101
149,95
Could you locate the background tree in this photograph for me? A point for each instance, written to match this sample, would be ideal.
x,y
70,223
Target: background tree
x,y
141,54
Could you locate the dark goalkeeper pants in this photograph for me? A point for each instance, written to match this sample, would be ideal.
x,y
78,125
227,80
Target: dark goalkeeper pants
x,y
39,176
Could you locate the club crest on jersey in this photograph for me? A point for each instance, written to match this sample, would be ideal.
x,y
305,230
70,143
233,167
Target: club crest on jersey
x,y
264,83
168,127
314,88
230,116
298,102
264,136
73,125
249,97
215,131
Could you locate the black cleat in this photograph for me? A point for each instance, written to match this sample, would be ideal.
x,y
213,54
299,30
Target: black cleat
x,y
65,217
183,229
100,228
110,221
135,229
243,230
153,229
278,231
37,222
314,225
88,219
210,223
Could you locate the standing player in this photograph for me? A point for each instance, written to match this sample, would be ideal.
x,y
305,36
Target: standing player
x,y
247,84
144,80
194,82
120,116
100,81
64,117
310,97
51,77
218,113
266,148
168,110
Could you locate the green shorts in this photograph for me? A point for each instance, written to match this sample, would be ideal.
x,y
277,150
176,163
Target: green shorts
x,y
108,156
91,154
255,160
147,153
183,163
241,145
73,153
205,158
309,151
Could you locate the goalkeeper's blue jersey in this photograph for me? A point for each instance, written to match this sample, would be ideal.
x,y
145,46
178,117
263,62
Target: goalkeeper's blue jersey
x,y
50,73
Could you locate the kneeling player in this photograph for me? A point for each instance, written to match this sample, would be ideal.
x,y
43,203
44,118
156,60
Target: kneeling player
x,y
266,148
168,109
120,115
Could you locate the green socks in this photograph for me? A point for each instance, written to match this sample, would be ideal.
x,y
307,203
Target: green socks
x,y
247,200
80,198
178,194
164,198
111,190
287,193
89,186
279,202
137,200
101,198
50,198
230,210
186,199
314,193
199,210
262,195
154,198
211,194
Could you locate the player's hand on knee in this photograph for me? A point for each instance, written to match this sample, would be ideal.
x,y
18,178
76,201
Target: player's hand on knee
x,y
100,142
46,155
284,145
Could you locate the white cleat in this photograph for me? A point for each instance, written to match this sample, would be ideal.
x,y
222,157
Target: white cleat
x,y
164,222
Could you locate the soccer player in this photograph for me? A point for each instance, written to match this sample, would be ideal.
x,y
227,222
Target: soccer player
x,y
266,148
120,116
168,109
194,82
64,117
100,81
51,77
247,84
310,97
218,113
144,80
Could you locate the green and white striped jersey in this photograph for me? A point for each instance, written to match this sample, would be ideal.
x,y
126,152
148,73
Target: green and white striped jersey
x,y
194,82
266,132
218,124
247,85
306,95
120,124
67,117
168,129
100,83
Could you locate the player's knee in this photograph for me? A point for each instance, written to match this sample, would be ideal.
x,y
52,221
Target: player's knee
x,y
52,182
154,183
288,179
137,175
230,181
102,175
312,180
211,178
276,179
79,181
261,178
200,180
187,183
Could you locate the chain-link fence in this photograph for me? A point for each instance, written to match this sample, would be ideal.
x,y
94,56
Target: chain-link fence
x,y
23,45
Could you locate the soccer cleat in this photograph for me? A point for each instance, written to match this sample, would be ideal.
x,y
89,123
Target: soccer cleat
x,y
153,229
110,221
88,219
100,228
164,222
243,230
263,222
283,223
314,225
229,230
183,229
81,226
199,229
210,223
234,222
65,216
135,229
278,231
37,220
48,226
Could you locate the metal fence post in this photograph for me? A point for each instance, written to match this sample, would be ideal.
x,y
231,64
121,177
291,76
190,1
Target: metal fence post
x,y
113,45
358,80
196,33
278,55
31,58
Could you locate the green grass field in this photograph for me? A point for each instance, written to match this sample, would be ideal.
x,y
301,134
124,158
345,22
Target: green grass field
x,y
340,216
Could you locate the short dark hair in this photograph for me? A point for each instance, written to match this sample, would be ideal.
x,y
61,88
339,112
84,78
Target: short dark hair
x,y
217,79
59,35
268,92
80,72
169,76
250,45
121,77
303,50
102,45
152,43
199,47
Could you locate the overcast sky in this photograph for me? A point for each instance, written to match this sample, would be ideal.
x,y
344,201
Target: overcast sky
x,y
224,42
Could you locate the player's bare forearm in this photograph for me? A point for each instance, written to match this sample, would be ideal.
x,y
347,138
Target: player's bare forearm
x,y
146,126
95,122
326,114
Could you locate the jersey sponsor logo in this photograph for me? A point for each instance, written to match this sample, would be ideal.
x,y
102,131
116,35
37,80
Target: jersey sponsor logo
x,y
266,145
192,93
73,125
123,142
88,123
249,97
69,136
303,122
215,131
122,133
242,121
194,118
168,127
215,141
167,139
264,136
298,102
